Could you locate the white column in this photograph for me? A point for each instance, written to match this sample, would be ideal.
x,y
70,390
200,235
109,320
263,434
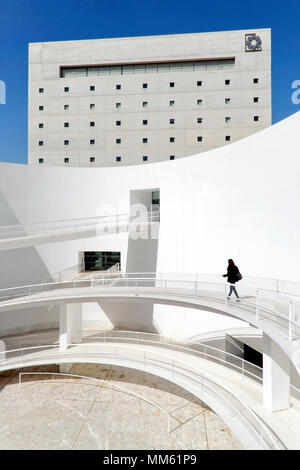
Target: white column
x,y
276,376
64,327
65,368
74,313
2,351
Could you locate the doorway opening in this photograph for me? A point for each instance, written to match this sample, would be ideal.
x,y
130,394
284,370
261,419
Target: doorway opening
x,y
101,260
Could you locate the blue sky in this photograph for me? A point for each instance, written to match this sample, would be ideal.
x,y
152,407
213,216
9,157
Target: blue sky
x,y
24,21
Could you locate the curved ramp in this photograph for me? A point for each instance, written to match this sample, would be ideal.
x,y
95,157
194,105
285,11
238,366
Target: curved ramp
x,y
236,402
272,315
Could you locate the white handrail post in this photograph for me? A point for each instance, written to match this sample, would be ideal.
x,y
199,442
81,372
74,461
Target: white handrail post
x,y
168,423
257,304
20,381
243,366
195,288
291,316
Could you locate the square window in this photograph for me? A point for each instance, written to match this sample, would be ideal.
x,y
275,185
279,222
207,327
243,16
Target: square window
x,y
145,159
172,139
199,83
66,142
92,159
41,108
41,125
227,118
118,105
118,159
66,89
255,118
92,88
92,106
41,90
255,80
227,138
145,122
199,101
227,100
172,84
66,160
227,82
41,143
118,123
118,141
255,99
172,103
41,160
145,85
66,106
118,87
66,124
145,104
92,141
172,121
172,157
145,140
92,124
199,120
199,138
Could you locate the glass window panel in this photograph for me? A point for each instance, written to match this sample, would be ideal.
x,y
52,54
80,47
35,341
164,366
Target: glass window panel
x,y
104,71
115,70
127,69
163,67
93,71
199,65
151,68
187,66
175,66
139,68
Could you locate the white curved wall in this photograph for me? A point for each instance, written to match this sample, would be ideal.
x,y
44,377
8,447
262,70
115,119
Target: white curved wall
x,y
238,201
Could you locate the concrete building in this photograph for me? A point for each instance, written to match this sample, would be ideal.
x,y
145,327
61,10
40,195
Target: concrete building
x,y
122,267
126,101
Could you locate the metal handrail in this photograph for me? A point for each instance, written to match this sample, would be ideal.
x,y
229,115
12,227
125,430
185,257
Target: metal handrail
x,y
77,223
161,284
262,433
170,342
105,382
185,347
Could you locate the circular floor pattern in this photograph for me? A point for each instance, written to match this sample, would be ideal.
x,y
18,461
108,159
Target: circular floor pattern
x,y
70,413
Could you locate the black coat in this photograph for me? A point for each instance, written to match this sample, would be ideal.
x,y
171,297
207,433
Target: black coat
x,y
232,272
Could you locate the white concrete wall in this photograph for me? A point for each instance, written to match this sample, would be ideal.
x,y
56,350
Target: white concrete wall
x,y
239,201
45,60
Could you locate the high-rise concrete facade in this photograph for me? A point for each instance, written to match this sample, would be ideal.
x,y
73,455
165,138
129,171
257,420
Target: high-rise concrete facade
x,y
127,101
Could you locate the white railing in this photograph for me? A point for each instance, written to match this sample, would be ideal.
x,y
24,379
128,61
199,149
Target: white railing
x,y
107,384
113,269
86,223
173,368
68,273
202,350
261,304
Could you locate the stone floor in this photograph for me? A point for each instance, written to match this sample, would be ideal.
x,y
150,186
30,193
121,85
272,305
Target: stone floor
x,y
69,413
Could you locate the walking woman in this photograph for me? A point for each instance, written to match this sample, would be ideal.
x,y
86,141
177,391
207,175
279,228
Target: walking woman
x,y
233,275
